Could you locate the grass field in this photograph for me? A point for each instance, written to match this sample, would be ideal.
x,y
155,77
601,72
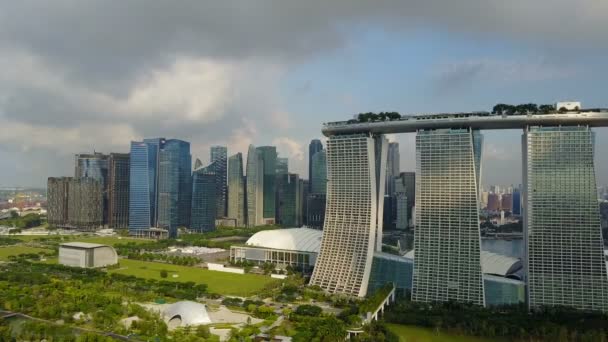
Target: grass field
x,y
104,240
408,333
217,282
16,250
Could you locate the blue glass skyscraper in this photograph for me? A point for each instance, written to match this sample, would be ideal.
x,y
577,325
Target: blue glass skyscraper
x,y
204,198
174,185
142,184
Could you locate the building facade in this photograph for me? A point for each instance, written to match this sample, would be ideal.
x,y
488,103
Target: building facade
x,y
236,190
392,167
287,199
255,187
402,213
85,204
282,166
562,233
314,147
143,183
204,199
118,190
315,210
174,185
447,238
353,218
219,155
57,201
94,166
269,157
318,178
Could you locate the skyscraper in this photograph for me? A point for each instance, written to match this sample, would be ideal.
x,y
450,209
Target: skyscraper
x,y
57,201
143,179
255,187
392,167
516,201
287,202
236,190
85,203
198,163
353,218
401,219
319,173
315,210
282,166
269,156
562,233
94,166
447,237
219,154
409,181
204,198
174,185
118,190
314,147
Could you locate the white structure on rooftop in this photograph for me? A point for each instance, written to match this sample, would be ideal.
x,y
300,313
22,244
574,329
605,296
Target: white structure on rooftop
x,y
186,313
492,264
86,255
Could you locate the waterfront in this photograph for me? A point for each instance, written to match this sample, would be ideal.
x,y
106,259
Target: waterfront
x,y
513,248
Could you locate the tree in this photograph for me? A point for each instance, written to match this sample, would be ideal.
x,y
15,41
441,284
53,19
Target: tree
x,y
163,273
563,110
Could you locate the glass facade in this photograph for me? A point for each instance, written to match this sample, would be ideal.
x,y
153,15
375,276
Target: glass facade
x,y
236,190
255,187
269,157
314,147
353,216
562,233
315,215
142,185
282,166
118,190
503,291
387,269
287,192
392,167
174,185
204,199
219,156
402,213
319,173
447,239
94,166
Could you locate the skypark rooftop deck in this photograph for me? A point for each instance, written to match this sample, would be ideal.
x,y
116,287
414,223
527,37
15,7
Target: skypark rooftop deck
x,y
475,120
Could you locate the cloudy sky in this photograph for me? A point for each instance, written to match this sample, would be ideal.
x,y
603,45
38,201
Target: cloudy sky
x,y
81,75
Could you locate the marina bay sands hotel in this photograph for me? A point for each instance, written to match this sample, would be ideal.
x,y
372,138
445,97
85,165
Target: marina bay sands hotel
x,y
564,262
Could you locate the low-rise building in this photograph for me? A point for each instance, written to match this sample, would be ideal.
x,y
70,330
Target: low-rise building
x,y
86,255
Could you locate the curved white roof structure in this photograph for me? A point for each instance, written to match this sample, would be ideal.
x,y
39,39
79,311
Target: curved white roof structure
x,y
187,313
293,239
492,263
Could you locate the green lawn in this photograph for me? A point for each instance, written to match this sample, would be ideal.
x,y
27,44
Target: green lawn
x,y
218,282
408,333
16,250
105,240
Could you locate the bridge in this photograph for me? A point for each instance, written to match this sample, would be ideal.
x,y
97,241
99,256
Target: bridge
x,y
481,120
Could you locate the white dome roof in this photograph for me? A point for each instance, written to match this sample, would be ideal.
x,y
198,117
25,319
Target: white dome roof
x,y
190,313
492,263
292,239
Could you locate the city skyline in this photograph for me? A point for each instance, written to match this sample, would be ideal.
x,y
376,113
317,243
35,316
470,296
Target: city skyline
x,y
63,93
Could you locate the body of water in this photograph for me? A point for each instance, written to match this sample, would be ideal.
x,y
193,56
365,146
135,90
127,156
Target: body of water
x,y
513,248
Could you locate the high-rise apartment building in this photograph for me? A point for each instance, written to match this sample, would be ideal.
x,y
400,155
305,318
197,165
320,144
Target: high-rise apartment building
x,y
282,166
57,201
318,178
506,202
255,187
353,218
493,202
118,190
94,166
314,147
287,199
447,238
174,185
562,233
204,198
269,157
219,156
85,203
237,207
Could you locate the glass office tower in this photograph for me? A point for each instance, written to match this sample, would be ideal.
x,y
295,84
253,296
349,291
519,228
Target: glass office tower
x,y
353,218
143,168
236,190
219,157
255,187
315,146
447,238
318,178
269,156
287,199
204,198
174,185
562,233
118,190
